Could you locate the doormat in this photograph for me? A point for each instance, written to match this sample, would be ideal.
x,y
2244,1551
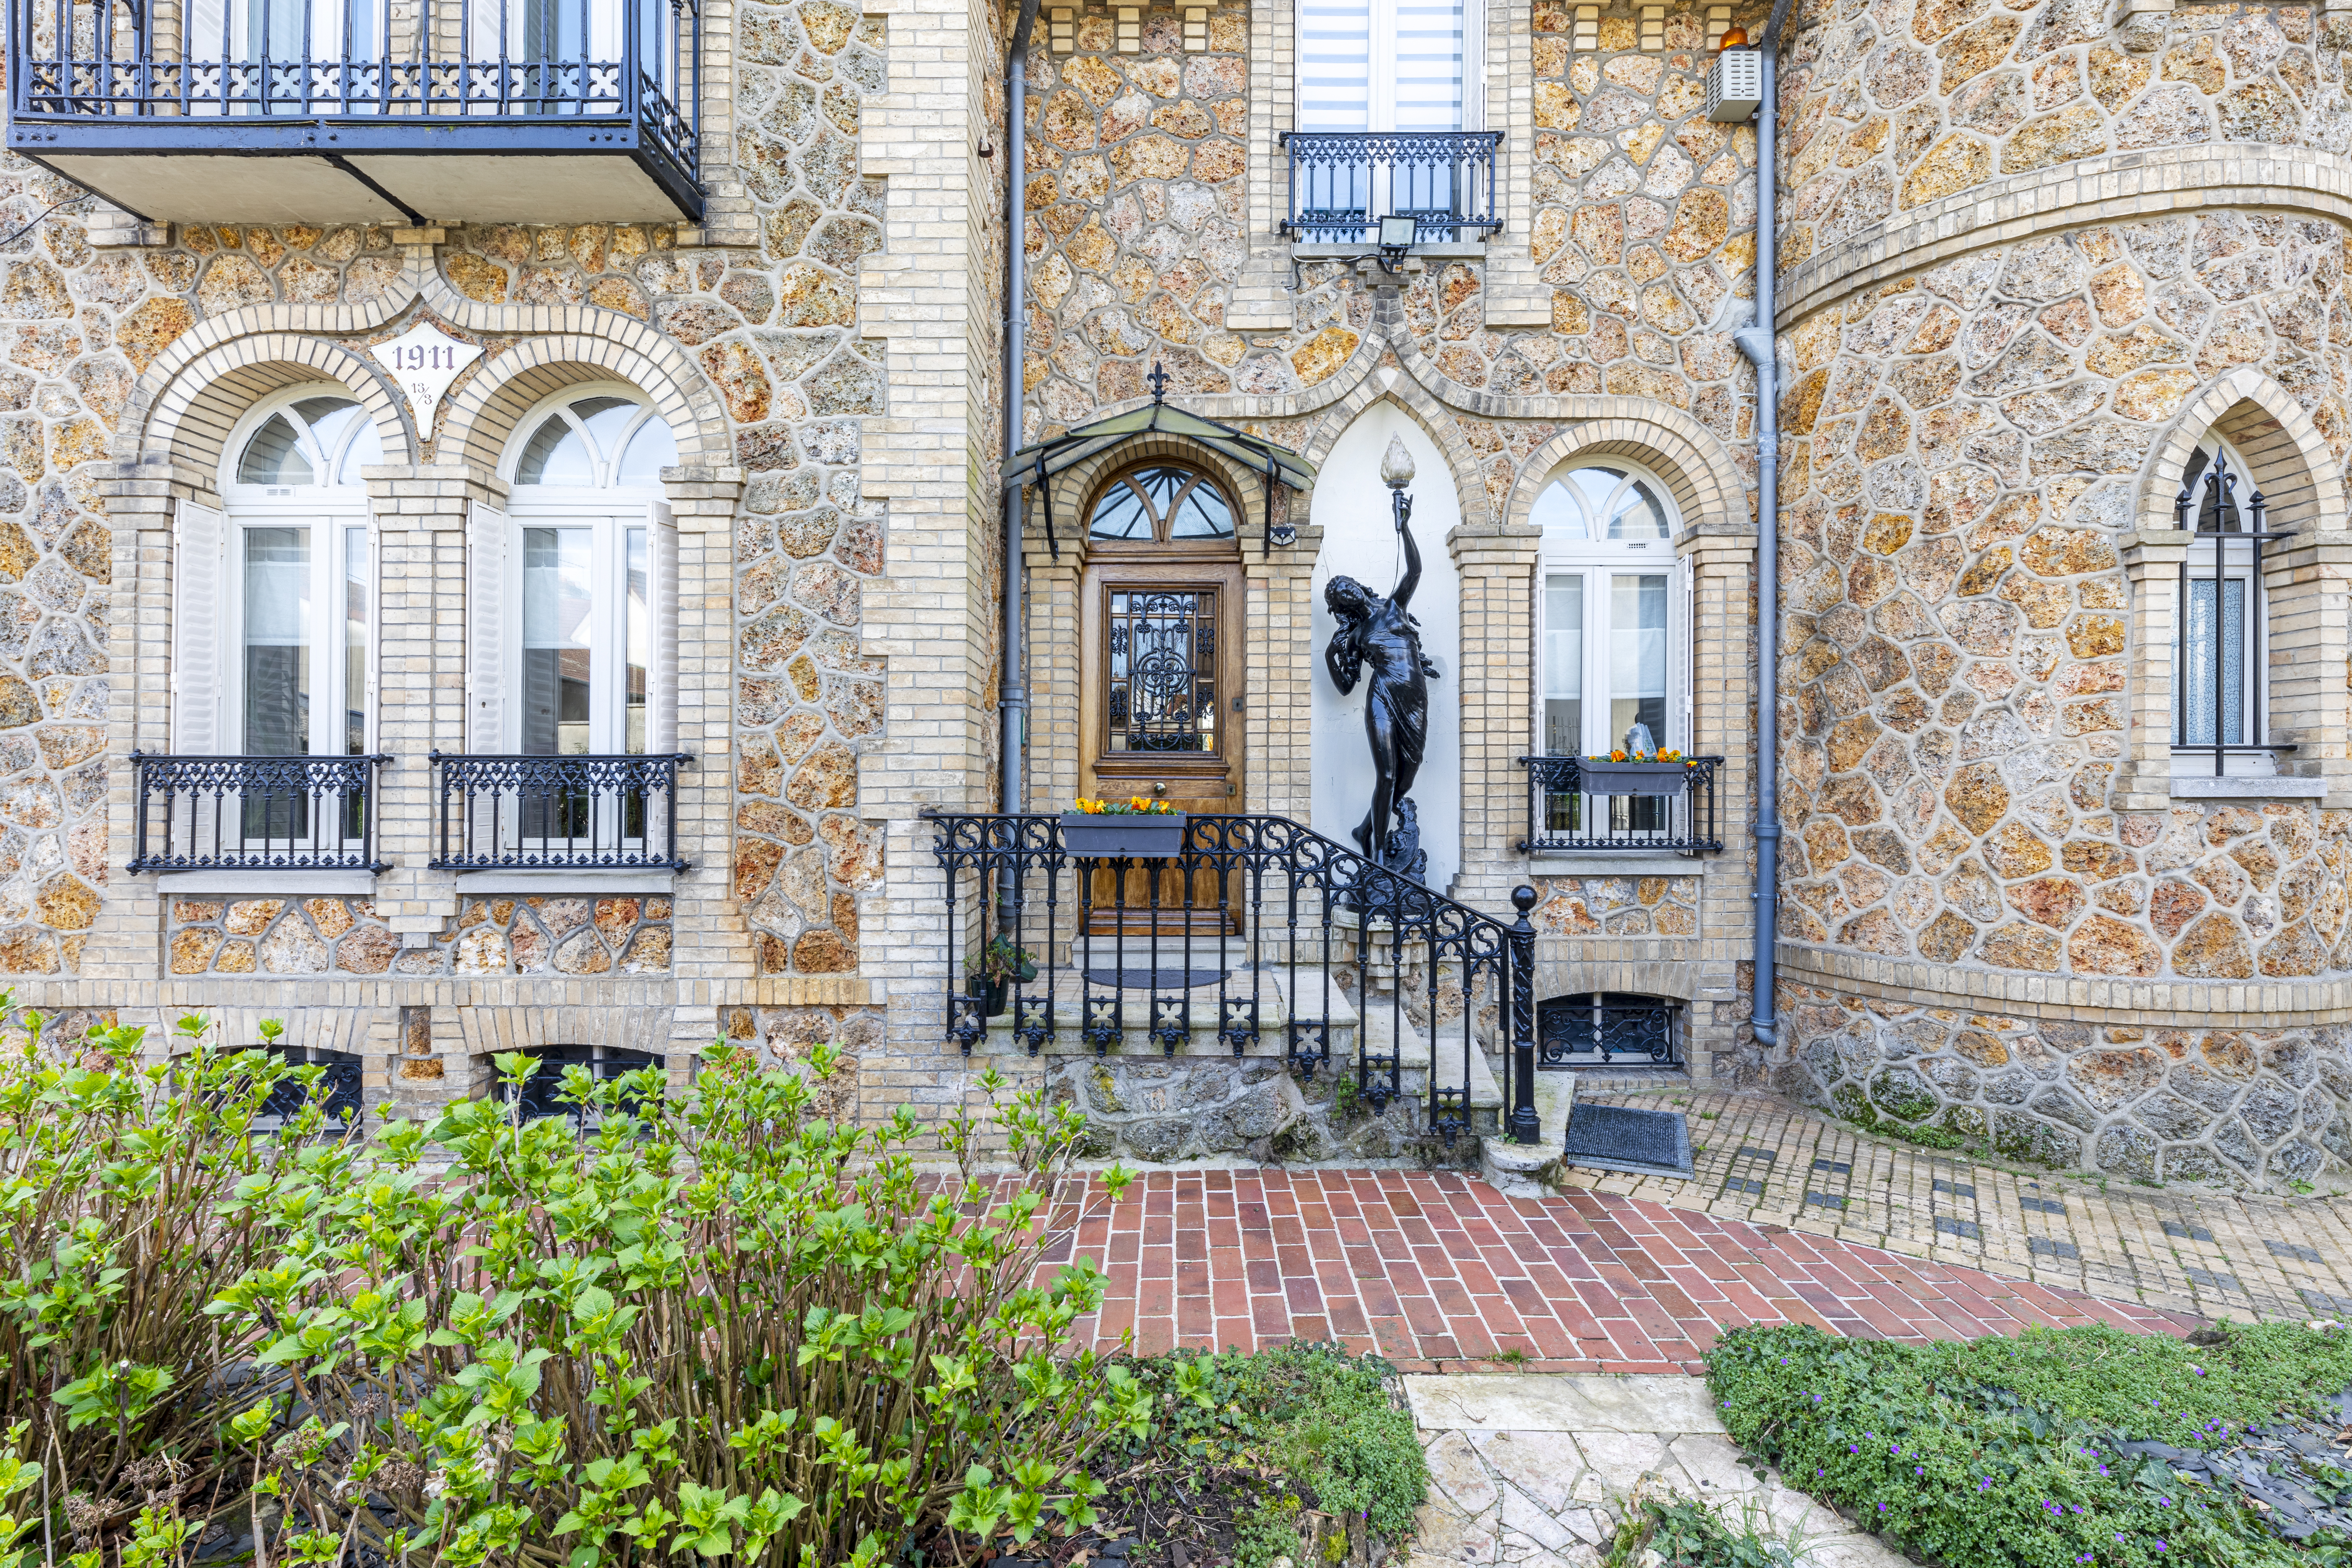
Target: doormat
x,y
1154,979
1616,1138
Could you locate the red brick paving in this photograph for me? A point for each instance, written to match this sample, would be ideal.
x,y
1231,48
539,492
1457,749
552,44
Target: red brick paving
x,y
1428,1267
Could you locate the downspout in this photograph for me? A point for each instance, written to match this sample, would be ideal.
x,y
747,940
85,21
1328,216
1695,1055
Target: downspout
x,y
1757,342
1013,699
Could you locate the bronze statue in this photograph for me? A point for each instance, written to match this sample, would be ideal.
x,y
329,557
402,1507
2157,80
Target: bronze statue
x,y
1381,634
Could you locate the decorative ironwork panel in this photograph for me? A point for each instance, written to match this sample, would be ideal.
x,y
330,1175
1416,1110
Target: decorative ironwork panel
x,y
413,68
1566,813
1162,654
337,1090
576,812
255,814
1343,182
1600,1027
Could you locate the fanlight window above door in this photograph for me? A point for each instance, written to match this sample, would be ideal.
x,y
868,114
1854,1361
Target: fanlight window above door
x,y
1160,504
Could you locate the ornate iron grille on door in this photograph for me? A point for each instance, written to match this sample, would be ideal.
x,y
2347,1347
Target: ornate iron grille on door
x,y
1163,671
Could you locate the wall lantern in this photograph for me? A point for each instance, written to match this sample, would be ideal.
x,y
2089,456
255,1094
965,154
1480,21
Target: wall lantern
x,y
1397,236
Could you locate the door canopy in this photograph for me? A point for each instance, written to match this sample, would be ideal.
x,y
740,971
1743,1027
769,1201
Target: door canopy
x,y
1032,466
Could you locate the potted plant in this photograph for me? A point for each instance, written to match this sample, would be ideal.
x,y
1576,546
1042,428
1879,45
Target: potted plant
x,y
1636,772
1140,827
1001,964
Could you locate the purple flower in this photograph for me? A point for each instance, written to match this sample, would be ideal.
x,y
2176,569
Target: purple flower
x,y
1881,1508
2160,1546
2103,1469
1985,1485
1852,1450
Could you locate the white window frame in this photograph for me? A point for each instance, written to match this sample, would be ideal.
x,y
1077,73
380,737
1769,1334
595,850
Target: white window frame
x,y
608,512
1380,68
328,510
1598,562
2191,759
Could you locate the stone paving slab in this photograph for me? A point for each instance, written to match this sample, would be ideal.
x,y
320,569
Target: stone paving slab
x,y
1435,1269
1546,1490
1763,1160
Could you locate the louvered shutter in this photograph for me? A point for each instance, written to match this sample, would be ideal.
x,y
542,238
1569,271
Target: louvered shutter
x,y
199,545
661,696
487,546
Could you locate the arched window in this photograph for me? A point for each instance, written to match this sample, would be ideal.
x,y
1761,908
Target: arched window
x,y
1161,503
587,540
300,574
1612,614
2220,713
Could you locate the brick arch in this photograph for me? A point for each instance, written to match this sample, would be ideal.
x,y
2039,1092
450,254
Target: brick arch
x,y
480,419
1707,489
186,420
1445,434
2299,475
1074,488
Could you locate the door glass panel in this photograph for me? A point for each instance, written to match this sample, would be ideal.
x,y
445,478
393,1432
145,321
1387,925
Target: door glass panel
x,y
1637,656
1162,660
276,607
556,653
1563,665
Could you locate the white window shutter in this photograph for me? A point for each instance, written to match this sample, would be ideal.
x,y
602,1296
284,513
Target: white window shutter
x,y
1686,607
487,546
199,545
661,680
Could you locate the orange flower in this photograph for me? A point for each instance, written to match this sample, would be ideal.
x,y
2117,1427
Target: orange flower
x,y
1616,756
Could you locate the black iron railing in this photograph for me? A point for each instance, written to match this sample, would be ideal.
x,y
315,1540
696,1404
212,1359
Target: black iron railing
x,y
1568,810
255,814
1597,1029
1342,183
580,812
1254,935
361,76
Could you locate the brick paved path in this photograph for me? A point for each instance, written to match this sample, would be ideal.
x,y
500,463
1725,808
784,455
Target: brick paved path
x,y
2209,1254
1434,1268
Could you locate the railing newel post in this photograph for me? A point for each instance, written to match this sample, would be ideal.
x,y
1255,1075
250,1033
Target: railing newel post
x,y
1527,1126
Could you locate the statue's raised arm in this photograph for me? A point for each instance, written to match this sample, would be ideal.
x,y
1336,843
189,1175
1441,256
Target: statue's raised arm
x,y
1411,578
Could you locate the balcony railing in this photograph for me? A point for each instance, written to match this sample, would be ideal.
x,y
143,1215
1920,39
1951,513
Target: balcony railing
x,y
1252,935
1565,815
1342,183
352,81
557,814
256,814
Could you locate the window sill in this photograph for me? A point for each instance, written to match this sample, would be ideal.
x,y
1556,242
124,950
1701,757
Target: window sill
x,y
306,883
1319,250
1616,863
566,882
2189,788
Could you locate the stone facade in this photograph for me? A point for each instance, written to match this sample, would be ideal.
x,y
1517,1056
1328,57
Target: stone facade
x,y
1982,446
2030,258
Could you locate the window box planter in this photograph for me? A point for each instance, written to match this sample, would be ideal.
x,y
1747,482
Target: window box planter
x,y
1634,778
1137,838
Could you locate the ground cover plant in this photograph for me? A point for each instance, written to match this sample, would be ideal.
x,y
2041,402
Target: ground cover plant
x,y
1666,1531
2060,1447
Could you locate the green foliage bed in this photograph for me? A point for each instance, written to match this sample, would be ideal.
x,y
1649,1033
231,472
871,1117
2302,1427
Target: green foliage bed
x,y
2002,1453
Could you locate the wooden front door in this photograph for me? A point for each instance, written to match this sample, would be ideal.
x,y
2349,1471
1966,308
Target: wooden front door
x,y
1159,672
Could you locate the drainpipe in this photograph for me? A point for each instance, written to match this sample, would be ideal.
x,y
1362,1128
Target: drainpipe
x,y
1757,343
1014,690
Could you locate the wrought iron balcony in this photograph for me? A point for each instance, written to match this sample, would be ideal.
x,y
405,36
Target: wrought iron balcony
x,y
1569,812
364,110
1252,935
557,814
1342,183
256,814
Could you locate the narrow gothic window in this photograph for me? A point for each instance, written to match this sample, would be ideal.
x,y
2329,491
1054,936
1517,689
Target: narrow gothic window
x,y
2220,719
